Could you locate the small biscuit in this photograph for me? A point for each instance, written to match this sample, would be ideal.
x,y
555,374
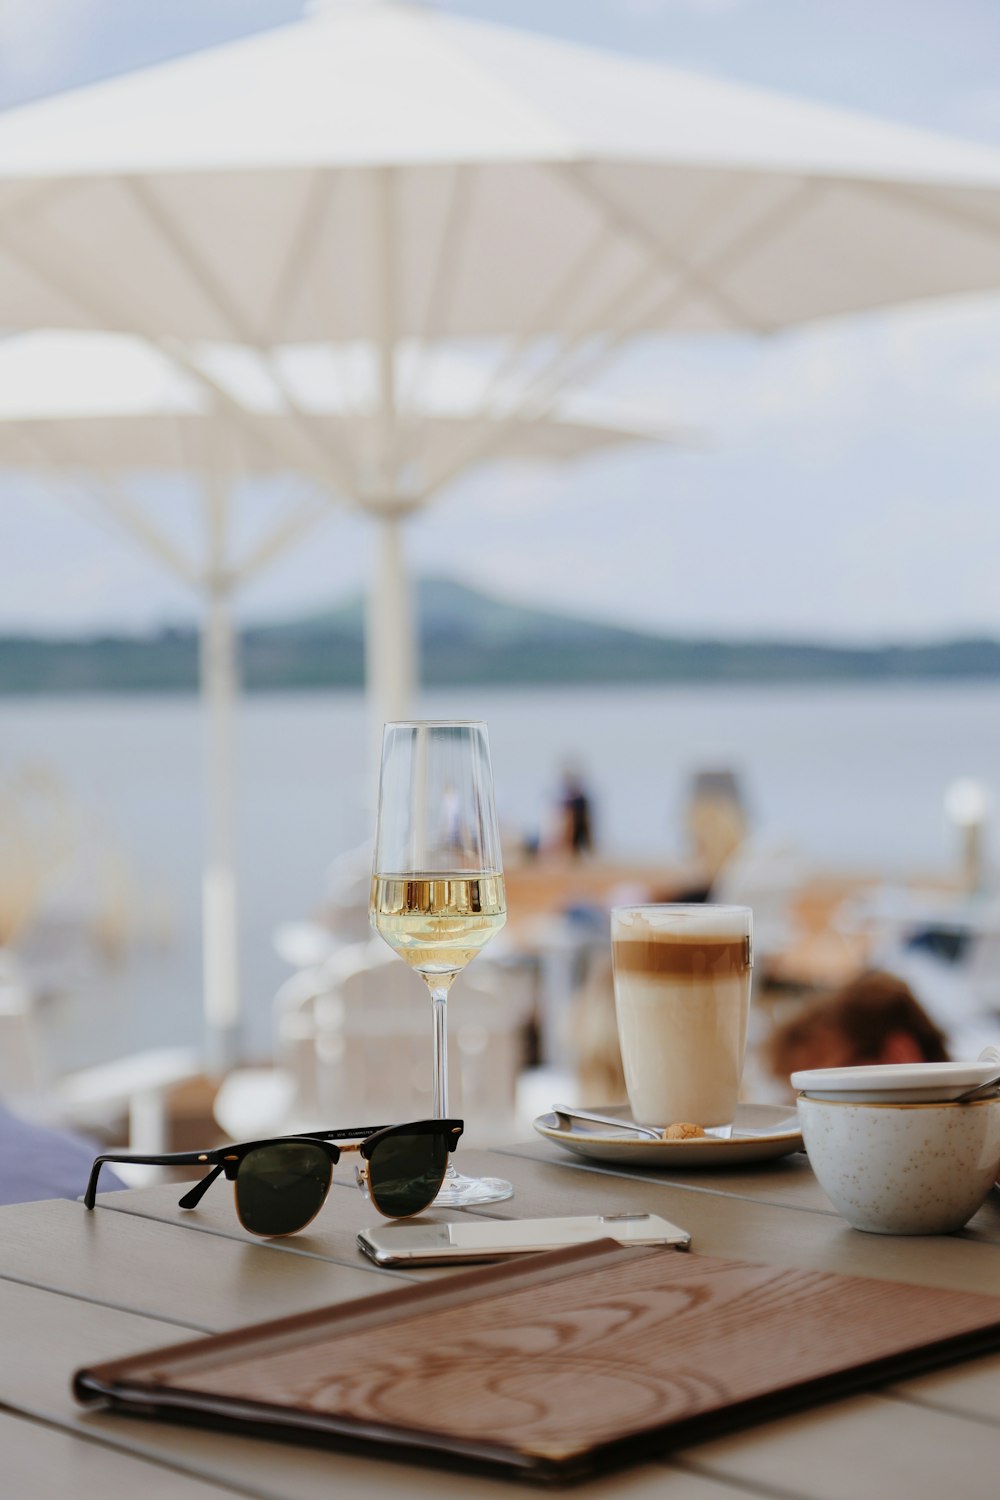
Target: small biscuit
x,y
683,1131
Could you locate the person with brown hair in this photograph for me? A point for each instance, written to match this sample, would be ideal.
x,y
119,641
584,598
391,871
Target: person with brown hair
x,y
873,1019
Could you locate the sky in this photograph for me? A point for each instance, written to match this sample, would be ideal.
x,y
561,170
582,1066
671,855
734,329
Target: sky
x,y
838,482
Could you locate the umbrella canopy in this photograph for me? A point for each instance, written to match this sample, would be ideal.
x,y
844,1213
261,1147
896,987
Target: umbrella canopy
x,y
94,409
97,402
381,162
383,173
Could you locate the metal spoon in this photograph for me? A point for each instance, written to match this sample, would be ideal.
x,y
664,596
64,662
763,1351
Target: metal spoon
x,y
629,1127
981,1091
564,1112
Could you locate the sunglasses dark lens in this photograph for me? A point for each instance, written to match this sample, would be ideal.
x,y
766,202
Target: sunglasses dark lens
x,y
406,1171
280,1187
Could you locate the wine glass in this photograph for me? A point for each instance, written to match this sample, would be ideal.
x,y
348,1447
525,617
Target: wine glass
x,y
437,880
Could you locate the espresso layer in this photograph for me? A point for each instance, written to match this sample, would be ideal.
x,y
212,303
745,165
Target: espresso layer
x,y
680,958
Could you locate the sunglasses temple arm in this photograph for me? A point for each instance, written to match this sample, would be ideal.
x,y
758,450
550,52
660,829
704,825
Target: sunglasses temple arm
x,y
175,1159
194,1197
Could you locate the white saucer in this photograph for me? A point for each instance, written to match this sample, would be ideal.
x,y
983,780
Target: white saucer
x,y
772,1131
894,1083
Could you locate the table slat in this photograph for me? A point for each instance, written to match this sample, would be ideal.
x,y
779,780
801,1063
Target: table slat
x,y
865,1448
202,1281
39,1463
723,1225
788,1182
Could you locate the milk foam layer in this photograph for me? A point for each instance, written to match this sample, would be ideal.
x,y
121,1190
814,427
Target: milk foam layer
x,y
702,921
682,994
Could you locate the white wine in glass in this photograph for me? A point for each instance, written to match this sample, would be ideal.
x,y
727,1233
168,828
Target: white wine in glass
x,y
437,882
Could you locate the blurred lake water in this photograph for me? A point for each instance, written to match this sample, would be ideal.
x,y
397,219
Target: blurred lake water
x,y
853,776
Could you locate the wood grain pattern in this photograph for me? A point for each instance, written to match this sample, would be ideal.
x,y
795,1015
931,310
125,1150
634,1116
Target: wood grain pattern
x,y
54,1334
578,1352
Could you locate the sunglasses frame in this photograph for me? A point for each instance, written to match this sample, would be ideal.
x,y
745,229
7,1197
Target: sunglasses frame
x,y
228,1159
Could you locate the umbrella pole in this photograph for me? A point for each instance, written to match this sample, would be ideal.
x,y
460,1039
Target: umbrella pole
x,y
219,923
389,633
390,654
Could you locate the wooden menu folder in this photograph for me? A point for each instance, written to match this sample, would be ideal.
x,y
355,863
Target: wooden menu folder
x,y
557,1365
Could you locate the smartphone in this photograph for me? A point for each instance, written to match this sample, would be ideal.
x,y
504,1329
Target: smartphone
x,y
492,1239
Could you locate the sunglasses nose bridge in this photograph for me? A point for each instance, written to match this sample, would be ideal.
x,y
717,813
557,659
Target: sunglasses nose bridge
x,y
361,1178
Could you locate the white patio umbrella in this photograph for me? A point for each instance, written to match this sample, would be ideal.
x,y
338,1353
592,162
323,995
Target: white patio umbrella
x,y
90,412
393,175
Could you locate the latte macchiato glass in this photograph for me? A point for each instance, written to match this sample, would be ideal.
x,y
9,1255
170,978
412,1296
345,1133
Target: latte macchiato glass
x,y
682,995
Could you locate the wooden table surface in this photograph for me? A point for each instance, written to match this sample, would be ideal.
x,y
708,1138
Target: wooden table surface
x,y
78,1287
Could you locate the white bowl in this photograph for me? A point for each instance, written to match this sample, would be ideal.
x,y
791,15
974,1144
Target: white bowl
x,y
903,1168
895,1083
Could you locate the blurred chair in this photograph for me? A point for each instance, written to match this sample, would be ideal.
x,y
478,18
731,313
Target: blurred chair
x,y
348,888
91,1099
354,1045
983,959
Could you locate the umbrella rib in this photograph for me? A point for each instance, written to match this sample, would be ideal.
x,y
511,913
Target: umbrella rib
x,y
551,309
608,341
36,197
553,306
804,193
801,196
300,520
456,222
115,499
660,256
302,246
442,290
112,498
614,308
185,254
915,199
108,315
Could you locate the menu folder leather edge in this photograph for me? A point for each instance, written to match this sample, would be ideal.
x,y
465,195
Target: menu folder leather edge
x,y
130,1385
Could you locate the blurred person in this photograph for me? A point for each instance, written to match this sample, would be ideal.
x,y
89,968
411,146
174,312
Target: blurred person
x,y
38,1161
873,1019
575,833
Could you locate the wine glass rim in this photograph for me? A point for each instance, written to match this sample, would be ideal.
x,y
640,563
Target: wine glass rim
x,y
435,724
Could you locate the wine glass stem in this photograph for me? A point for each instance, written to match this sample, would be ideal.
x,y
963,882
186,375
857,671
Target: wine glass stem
x,y
439,999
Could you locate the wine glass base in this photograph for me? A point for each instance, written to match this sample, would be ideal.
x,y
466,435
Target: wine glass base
x,y
467,1192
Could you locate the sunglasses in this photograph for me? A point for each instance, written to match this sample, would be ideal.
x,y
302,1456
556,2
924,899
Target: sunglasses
x,y
280,1185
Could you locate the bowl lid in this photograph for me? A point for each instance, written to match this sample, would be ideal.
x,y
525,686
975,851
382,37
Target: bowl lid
x,y
876,1081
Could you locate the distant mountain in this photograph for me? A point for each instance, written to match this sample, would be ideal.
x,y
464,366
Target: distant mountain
x,y
469,638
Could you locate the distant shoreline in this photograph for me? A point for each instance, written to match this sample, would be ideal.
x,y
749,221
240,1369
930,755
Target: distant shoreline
x,y
144,667
471,640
